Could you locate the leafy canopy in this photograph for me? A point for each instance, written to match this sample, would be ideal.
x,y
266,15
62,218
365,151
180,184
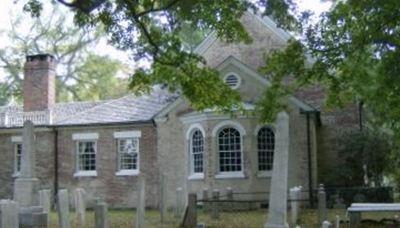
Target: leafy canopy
x,y
70,46
152,31
354,52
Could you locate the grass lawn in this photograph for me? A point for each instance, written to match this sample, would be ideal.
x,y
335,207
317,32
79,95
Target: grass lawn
x,y
242,219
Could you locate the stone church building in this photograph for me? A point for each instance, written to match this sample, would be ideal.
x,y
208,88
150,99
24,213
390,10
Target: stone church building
x,y
104,146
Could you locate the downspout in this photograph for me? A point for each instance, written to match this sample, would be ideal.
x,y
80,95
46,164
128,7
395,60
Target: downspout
x,y
360,116
310,182
55,164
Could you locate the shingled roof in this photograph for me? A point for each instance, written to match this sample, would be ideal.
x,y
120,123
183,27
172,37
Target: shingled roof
x,y
129,108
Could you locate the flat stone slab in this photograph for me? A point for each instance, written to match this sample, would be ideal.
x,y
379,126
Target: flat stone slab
x,y
365,207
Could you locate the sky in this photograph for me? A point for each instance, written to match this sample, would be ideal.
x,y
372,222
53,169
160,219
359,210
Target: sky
x,y
8,9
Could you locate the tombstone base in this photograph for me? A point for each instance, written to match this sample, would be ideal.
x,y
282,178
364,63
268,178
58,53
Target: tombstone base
x,y
276,226
25,190
33,217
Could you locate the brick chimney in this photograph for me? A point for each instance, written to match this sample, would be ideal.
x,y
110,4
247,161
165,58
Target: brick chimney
x,y
39,87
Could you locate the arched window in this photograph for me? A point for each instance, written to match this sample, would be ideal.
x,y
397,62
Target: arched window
x,y
229,150
196,151
266,145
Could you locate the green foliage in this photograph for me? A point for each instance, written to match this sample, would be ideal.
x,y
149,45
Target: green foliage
x,y
69,45
96,80
155,32
362,154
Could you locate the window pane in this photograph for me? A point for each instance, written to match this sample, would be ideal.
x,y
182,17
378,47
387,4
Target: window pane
x,y
266,145
86,156
128,150
18,157
197,149
230,153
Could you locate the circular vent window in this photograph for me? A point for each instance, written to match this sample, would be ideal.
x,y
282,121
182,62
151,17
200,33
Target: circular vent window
x,y
232,80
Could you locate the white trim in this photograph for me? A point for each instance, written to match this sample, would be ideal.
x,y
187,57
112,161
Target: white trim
x,y
192,128
230,175
127,172
85,136
16,139
229,123
239,80
85,173
264,174
206,43
196,176
137,159
127,134
248,70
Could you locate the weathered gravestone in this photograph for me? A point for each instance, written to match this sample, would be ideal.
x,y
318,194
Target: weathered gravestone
x,y
80,206
26,185
140,208
45,202
100,215
179,203
322,212
33,217
63,209
278,194
9,214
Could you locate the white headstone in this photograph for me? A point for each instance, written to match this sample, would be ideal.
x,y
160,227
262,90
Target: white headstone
x,y
179,203
63,209
80,206
9,214
140,209
294,194
278,194
45,202
100,215
326,224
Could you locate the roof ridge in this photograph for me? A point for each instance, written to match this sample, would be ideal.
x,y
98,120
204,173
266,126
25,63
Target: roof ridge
x,y
94,107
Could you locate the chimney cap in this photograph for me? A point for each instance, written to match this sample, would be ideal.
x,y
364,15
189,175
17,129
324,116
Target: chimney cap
x,y
40,57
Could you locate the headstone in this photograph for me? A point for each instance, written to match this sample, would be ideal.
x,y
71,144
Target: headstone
x,y
26,185
100,215
9,214
206,207
140,209
63,209
294,194
215,204
190,218
45,202
80,206
229,197
337,221
33,216
178,206
162,197
326,224
278,193
322,213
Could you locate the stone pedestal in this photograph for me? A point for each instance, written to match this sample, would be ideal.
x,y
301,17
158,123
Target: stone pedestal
x,y
25,191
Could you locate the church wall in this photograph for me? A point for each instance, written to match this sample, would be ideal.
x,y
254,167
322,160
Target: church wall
x,y
117,191
44,160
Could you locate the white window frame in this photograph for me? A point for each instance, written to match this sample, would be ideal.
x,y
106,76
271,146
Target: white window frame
x,y
195,175
16,140
81,138
123,135
229,174
264,173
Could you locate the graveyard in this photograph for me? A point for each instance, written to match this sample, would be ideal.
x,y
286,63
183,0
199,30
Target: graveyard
x,y
195,114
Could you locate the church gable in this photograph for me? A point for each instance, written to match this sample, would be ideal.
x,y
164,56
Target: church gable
x,y
266,37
